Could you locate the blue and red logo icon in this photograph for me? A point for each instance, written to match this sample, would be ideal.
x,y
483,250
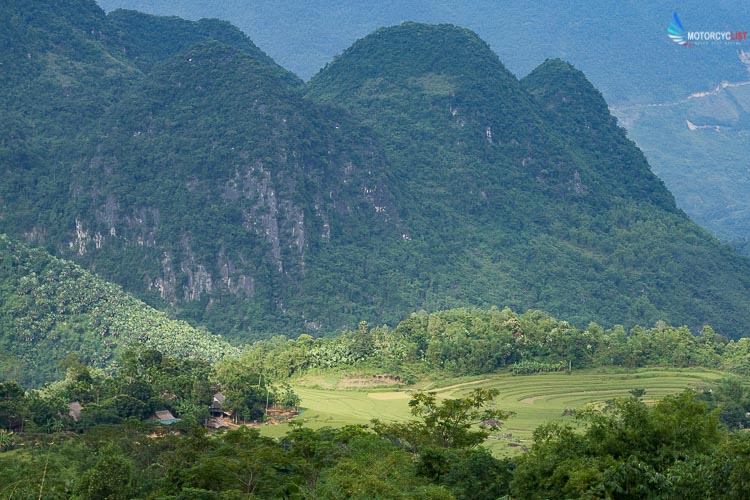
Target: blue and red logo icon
x,y
676,32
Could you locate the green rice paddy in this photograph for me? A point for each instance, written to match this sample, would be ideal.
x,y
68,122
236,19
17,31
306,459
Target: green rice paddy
x,y
535,399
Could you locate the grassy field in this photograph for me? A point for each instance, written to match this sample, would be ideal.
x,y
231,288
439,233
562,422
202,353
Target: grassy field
x,y
535,399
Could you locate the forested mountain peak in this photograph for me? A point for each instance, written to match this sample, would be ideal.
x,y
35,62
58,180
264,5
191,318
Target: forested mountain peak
x,y
212,71
414,49
443,84
438,94
148,40
576,112
557,82
415,67
238,181
47,20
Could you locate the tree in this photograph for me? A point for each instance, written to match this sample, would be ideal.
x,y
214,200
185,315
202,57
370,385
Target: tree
x,y
112,477
315,450
7,440
637,392
454,423
286,397
629,450
242,465
47,413
372,468
472,473
246,392
13,406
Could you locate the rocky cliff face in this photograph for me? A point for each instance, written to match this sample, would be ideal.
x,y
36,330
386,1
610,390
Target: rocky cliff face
x,y
237,181
200,179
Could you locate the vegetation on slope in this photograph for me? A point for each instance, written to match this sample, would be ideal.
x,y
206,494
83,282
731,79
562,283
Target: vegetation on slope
x,y
541,200
207,185
654,85
415,173
51,307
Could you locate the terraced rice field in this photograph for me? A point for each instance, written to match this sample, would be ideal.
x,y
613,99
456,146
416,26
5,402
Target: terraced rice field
x,y
541,398
535,399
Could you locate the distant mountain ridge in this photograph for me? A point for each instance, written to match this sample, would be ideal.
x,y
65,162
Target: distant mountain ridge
x,y
629,37
699,144
414,172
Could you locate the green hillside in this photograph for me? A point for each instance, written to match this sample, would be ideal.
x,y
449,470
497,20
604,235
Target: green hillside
x,y
206,186
549,205
51,307
414,172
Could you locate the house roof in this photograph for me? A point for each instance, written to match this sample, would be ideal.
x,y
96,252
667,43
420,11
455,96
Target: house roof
x,y
217,424
165,417
220,398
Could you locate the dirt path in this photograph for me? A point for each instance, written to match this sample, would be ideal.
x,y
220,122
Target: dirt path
x,y
406,395
456,386
530,401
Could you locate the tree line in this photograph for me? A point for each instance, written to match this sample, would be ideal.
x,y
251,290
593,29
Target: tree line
x,y
468,341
